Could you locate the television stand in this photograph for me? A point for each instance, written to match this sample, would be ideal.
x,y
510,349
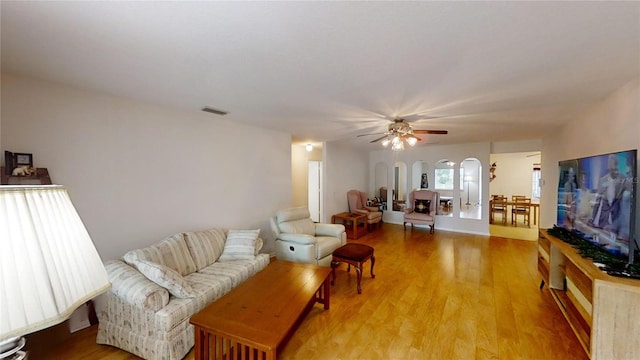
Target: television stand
x,y
620,273
602,310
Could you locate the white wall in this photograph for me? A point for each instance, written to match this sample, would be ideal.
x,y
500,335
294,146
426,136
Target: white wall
x,y
431,154
345,168
138,172
609,126
513,174
516,146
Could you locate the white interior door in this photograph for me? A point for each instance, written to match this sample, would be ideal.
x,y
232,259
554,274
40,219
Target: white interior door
x,y
315,190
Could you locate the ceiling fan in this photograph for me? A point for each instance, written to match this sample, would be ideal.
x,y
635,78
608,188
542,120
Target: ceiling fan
x,y
399,132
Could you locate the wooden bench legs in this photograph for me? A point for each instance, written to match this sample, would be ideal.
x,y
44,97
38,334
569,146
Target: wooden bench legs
x,y
356,264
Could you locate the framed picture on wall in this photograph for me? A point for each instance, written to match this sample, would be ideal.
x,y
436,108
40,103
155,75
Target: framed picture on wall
x,y
22,159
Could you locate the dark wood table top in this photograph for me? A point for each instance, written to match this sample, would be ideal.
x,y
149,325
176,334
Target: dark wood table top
x,y
349,216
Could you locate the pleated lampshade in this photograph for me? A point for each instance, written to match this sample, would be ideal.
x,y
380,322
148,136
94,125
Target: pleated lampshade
x,y
48,263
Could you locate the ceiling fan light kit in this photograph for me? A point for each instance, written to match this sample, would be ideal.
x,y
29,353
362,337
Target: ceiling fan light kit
x,y
397,142
400,132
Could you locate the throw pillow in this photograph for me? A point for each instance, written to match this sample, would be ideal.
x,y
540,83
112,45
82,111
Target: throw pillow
x,y
422,206
165,277
259,244
240,245
172,252
205,246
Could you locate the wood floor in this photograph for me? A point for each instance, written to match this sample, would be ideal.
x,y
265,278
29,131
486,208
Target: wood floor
x,y
440,296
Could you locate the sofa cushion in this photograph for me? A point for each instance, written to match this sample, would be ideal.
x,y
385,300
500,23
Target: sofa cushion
x,y
226,275
237,271
301,226
206,246
240,245
165,277
208,288
417,217
134,288
326,245
291,214
172,252
295,221
259,244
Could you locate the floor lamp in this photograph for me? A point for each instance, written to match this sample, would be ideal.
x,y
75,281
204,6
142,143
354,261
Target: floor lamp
x,y
468,178
49,264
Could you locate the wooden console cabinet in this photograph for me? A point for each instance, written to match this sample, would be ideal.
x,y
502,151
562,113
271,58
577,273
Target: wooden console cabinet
x,y
603,310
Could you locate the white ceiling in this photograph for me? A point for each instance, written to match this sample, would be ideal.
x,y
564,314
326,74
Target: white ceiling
x,y
495,71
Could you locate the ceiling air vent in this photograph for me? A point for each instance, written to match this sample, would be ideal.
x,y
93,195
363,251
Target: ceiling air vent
x,y
214,111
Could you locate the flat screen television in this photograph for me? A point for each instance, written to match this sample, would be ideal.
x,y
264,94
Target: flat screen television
x,y
596,200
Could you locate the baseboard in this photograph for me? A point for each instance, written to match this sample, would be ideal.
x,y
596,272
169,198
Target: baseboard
x,y
463,231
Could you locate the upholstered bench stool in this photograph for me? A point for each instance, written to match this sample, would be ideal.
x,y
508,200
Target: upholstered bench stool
x,y
353,254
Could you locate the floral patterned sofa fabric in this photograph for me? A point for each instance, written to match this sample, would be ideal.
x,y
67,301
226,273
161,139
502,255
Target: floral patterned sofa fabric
x,y
142,315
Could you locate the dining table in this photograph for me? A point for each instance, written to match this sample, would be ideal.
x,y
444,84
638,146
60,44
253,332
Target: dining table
x,y
512,203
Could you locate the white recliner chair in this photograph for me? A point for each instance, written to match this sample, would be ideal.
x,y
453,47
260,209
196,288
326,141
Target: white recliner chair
x,y
300,240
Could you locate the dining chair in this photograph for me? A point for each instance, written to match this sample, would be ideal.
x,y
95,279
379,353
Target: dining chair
x,y
499,206
522,207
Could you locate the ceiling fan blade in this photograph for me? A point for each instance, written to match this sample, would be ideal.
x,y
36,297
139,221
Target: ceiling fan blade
x,y
378,139
416,117
436,132
369,134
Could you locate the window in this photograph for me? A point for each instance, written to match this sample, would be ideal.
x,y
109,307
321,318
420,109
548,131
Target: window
x,y
535,183
444,179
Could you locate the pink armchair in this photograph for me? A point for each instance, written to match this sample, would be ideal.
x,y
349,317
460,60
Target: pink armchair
x,y
357,204
422,208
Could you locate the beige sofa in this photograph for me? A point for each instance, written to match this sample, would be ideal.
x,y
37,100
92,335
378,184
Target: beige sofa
x,y
155,290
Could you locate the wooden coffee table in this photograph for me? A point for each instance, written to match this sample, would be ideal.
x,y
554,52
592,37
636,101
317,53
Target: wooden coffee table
x,y
256,317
